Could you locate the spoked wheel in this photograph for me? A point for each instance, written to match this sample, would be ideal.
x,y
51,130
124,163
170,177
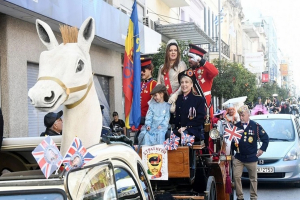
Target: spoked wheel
x,y
211,188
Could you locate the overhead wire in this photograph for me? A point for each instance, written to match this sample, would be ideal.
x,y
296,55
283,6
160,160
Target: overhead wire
x,y
165,16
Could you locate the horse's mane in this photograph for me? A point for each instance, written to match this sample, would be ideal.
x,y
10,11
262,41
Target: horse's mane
x,y
69,33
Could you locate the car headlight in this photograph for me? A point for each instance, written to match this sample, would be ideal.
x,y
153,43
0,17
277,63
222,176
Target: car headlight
x,y
291,155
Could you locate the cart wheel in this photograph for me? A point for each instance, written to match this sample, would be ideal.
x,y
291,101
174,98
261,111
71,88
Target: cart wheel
x,y
211,188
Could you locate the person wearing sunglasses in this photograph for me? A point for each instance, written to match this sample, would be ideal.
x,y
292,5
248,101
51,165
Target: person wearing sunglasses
x,y
147,85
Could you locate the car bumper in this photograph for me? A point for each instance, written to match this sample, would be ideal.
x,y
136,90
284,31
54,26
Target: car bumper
x,y
284,171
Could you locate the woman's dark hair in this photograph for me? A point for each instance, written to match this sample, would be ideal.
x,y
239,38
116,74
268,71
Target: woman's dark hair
x,y
165,69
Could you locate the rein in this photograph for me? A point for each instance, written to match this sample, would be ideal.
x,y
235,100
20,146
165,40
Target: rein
x,y
71,90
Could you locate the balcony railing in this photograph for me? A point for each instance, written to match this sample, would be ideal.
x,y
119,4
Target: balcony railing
x,y
225,48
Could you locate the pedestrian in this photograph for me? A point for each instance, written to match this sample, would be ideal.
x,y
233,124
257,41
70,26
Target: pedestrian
x,y
246,152
231,114
147,85
276,105
157,118
117,125
168,72
53,123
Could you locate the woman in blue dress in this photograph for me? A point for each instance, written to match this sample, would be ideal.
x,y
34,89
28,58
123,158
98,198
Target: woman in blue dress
x,y
157,118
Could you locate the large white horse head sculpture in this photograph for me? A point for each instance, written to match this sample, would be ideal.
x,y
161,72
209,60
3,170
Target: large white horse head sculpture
x,y
65,77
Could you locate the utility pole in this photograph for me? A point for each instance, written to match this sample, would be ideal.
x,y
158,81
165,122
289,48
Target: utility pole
x,y
219,31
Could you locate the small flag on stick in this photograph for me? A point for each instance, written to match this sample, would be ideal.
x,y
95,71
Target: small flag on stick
x,y
47,156
77,155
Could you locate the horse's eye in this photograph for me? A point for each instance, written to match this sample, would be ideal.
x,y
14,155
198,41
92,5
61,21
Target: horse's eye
x,y
80,66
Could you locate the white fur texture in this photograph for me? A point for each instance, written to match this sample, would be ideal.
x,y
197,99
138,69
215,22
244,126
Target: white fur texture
x,y
60,61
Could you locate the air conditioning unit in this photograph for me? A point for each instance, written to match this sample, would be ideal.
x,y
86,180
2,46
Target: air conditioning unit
x,y
148,22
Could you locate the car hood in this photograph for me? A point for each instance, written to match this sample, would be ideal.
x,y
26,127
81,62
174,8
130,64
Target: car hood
x,y
277,149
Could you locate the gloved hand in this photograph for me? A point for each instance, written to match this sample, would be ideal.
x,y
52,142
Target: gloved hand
x,y
194,57
173,98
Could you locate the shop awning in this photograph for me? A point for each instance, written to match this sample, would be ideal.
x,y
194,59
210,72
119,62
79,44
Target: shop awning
x,y
185,31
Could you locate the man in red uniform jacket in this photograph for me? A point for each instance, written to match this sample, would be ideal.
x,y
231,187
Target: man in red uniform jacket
x,y
204,72
147,84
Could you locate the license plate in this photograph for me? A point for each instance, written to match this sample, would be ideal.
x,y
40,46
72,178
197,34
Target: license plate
x,y
265,170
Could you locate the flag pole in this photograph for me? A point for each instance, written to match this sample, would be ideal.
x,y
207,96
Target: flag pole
x,y
219,3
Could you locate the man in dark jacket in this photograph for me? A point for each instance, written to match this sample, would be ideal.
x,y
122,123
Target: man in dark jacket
x,y
247,153
53,123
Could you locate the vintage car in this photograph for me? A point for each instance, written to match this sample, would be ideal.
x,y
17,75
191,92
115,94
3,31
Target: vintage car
x,y
116,172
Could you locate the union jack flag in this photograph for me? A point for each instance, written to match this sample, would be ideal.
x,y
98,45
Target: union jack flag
x,y
47,156
77,156
232,132
172,142
187,139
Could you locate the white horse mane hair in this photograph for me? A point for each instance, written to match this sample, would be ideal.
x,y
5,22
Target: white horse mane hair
x,y
65,78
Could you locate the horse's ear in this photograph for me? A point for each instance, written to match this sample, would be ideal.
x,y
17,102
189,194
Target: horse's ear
x,y
86,34
46,34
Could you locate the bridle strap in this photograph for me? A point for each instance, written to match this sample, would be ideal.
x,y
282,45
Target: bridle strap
x,y
71,90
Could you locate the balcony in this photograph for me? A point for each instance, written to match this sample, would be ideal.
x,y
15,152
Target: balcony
x,y
177,3
225,48
185,31
261,47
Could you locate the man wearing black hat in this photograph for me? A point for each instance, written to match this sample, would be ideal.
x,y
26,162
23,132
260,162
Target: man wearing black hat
x,y
53,123
147,84
204,72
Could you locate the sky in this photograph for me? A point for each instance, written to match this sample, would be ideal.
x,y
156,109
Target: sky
x,y
286,15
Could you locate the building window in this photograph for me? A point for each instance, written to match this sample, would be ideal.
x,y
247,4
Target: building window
x,y
35,118
212,25
208,23
102,88
182,16
204,19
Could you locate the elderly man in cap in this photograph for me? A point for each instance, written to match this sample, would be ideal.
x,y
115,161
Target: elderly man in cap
x,y
247,153
53,123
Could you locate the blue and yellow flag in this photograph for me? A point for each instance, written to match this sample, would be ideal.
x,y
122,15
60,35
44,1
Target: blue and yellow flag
x,y
132,72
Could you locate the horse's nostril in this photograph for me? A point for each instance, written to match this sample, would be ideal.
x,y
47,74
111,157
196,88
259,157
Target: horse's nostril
x,y
49,99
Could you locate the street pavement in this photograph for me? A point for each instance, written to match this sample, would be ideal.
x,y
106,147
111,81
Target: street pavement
x,y
273,191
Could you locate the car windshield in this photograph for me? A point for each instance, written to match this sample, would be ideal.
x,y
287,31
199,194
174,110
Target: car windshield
x,y
278,129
